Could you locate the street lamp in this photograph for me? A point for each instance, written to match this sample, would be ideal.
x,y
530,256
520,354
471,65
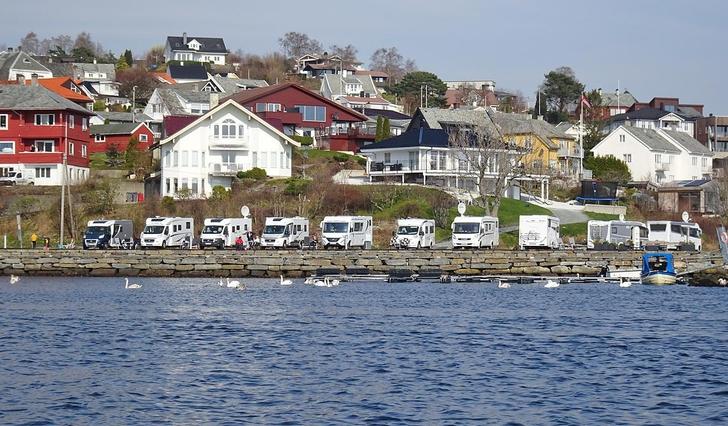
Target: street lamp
x,y
133,103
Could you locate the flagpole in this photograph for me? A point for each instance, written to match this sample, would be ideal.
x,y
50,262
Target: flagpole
x,y
581,138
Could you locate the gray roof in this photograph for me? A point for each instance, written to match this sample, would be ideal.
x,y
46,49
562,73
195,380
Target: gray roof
x,y
435,116
688,143
334,83
34,98
652,139
234,85
173,99
512,124
625,99
122,117
689,112
18,60
564,126
108,69
113,129
207,44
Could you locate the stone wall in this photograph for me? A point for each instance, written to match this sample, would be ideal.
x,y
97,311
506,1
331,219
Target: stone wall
x,y
293,263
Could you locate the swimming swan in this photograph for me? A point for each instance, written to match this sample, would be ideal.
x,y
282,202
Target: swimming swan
x,y
321,283
127,285
234,284
551,284
14,279
625,282
503,284
286,282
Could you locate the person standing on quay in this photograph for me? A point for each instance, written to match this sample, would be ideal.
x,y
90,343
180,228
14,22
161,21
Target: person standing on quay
x,y
34,239
46,243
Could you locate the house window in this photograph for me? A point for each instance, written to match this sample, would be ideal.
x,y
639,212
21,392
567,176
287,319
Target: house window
x,y
273,160
271,107
622,138
143,138
45,119
228,158
195,187
42,172
387,157
43,146
185,159
166,186
283,160
433,160
263,160
71,148
627,158
312,113
84,151
658,158
100,138
7,147
704,162
175,186
84,123
167,158
443,160
175,157
288,159
71,121
255,159
695,161
183,183
193,159
3,122
202,159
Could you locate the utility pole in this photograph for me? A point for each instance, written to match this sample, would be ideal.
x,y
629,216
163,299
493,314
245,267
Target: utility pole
x,y
133,103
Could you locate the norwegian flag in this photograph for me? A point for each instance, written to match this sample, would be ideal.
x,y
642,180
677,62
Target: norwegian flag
x,y
584,101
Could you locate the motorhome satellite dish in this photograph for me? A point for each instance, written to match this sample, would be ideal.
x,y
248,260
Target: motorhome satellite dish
x,y
685,217
621,217
461,208
245,211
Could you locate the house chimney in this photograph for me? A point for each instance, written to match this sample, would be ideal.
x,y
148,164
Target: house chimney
x,y
184,38
214,100
94,61
34,79
50,59
21,79
600,91
10,49
196,87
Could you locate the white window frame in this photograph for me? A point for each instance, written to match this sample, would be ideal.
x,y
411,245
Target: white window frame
x,y
4,118
12,143
44,143
84,150
71,148
44,119
84,123
39,172
143,138
99,138
71,121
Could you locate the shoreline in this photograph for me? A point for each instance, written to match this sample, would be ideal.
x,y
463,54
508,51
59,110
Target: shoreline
x,y
300,263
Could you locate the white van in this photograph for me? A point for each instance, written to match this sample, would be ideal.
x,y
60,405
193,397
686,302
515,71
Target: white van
x,y
475,231
346,231
223,232
672,234
103,234
617,232
415,233
166,232
284,232
536,231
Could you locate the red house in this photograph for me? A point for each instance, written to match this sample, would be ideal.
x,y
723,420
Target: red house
x,y
37,127
296,110
103,136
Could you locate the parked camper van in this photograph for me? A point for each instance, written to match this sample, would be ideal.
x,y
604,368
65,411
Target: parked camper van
x,y
415,233
103,234
674,234
223,232
166,232
346,231
538,231
284,232
475,231
617,232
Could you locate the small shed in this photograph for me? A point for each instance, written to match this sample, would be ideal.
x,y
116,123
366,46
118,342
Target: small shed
x,y
694,196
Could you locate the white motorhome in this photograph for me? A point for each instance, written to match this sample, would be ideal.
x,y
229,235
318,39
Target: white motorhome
x,y
673,234
103,234
475,231
166,232
346,231
223,232
617,232
538,231
282,232
415,233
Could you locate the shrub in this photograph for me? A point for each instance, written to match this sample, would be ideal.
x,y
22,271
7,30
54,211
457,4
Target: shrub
x,y
219,193
608,169
296,186
255,173
341,157
168,204
303,140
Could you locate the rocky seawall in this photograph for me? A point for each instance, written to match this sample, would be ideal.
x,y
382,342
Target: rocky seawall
x,y
296,263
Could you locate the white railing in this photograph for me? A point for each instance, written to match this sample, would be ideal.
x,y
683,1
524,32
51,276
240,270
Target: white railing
x,y
663,166
228,141
227,168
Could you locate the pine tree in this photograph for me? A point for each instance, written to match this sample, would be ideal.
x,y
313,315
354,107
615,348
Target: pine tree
x,y
128,57
380,127
386,132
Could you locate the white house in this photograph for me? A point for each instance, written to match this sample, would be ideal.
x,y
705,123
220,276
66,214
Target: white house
x,y
211,150
657,155
653,118
357,92
196,49
14,63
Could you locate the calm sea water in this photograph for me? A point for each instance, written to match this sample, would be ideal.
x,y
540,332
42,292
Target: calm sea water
x,y
86,351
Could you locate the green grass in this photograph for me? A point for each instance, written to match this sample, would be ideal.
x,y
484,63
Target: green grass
x,y
576,230
97,161
334,156
602,216
508,212
508,240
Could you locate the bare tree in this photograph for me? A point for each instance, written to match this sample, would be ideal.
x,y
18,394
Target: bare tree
x,y
154,56
392,62
346,53
489,158
30,43
295,45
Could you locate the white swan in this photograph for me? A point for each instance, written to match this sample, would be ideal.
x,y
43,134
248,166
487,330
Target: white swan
x,y
625,282
233,284
221,283
321,282
286,282
333,282
551,284
503,284
127,285
14,279
308,281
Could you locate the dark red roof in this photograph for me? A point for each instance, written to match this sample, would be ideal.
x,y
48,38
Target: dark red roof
x,y
174,123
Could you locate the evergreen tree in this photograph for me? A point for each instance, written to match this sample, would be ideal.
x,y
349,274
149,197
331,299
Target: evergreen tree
x,y
131,156
386,132
380,127
128,57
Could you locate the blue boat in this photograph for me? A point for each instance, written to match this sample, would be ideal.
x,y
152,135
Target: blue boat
x,y
658,269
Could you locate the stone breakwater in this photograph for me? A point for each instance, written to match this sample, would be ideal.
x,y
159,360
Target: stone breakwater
x,y
292,263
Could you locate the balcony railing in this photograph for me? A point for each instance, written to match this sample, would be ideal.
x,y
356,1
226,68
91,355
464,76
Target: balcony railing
x,y
228,142
573,152
665,167
227,169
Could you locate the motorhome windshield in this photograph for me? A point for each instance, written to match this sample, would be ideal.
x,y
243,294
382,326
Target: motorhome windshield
x,y
153,229
336,227
408,230
695,232
212,229
466,228
274,229
97,230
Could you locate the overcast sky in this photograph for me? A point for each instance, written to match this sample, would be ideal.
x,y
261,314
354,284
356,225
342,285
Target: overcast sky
x,y
652,47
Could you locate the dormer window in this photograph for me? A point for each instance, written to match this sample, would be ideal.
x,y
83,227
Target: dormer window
x,y
228,129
